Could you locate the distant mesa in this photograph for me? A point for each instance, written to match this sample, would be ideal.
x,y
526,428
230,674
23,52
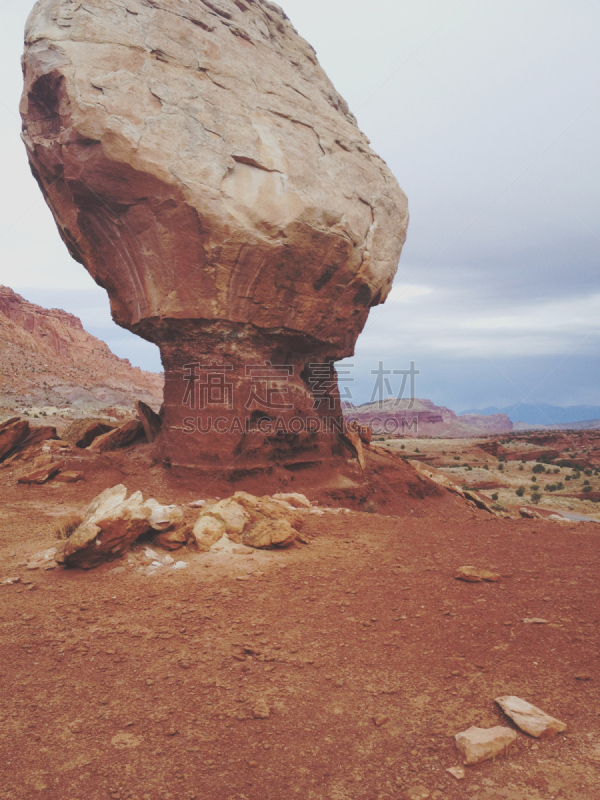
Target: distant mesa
x,y
424,418
526,416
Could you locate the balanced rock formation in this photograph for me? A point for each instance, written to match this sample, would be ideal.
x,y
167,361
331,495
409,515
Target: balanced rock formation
x,y
202,167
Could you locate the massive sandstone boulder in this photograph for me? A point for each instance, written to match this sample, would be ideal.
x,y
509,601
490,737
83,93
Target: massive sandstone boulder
x,y
202,167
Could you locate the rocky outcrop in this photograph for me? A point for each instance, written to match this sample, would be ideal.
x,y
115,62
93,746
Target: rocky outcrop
x,y
110,527
203,168
150,420
47,359
12,433
260,522
82,432
422,417
118,438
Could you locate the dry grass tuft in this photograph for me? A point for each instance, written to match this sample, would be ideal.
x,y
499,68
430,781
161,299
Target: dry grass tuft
x,y
67,526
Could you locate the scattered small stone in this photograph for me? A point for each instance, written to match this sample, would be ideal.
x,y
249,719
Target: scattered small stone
x,y
419,793
583,677
380,719
481,744
69,476
476,575
536,621
10,581
457,772
261,710
529,718
180,565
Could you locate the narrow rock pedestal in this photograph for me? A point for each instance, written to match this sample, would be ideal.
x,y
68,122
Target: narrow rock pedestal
x,y
237,400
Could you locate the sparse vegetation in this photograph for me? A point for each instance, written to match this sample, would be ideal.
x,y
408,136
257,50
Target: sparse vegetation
x,y
66,526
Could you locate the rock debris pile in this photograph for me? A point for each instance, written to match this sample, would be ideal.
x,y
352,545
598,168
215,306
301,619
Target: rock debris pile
x,y
113,522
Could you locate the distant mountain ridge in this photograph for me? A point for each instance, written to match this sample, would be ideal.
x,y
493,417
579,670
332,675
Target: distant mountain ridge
x,y
541,413
422,417
47,359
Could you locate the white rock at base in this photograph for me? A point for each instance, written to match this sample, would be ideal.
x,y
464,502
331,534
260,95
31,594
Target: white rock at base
x,y
481,744
231,514
207,531
180,565
294,499
106,501
163,517
529,718
197,504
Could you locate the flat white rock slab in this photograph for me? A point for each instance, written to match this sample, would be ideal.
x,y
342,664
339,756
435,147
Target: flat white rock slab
x,y
530,719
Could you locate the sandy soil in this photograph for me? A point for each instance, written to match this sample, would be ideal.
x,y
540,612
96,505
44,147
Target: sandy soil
x,y
118,684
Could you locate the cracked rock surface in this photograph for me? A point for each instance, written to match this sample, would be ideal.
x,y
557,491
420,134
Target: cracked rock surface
x,y
202,167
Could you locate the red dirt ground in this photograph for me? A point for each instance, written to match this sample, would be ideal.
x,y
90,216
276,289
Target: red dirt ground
x,y
117,684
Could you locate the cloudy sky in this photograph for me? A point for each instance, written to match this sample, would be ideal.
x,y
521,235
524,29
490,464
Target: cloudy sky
x,y
489,115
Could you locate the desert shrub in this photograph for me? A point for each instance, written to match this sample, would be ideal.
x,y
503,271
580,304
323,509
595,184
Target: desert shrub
x,y
66,526
403,447
536,497
586,483
556,471
576,476
485,466
587,488
521,467
417,450
538,469
520,491
550,487
568,478
495,498
457,458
